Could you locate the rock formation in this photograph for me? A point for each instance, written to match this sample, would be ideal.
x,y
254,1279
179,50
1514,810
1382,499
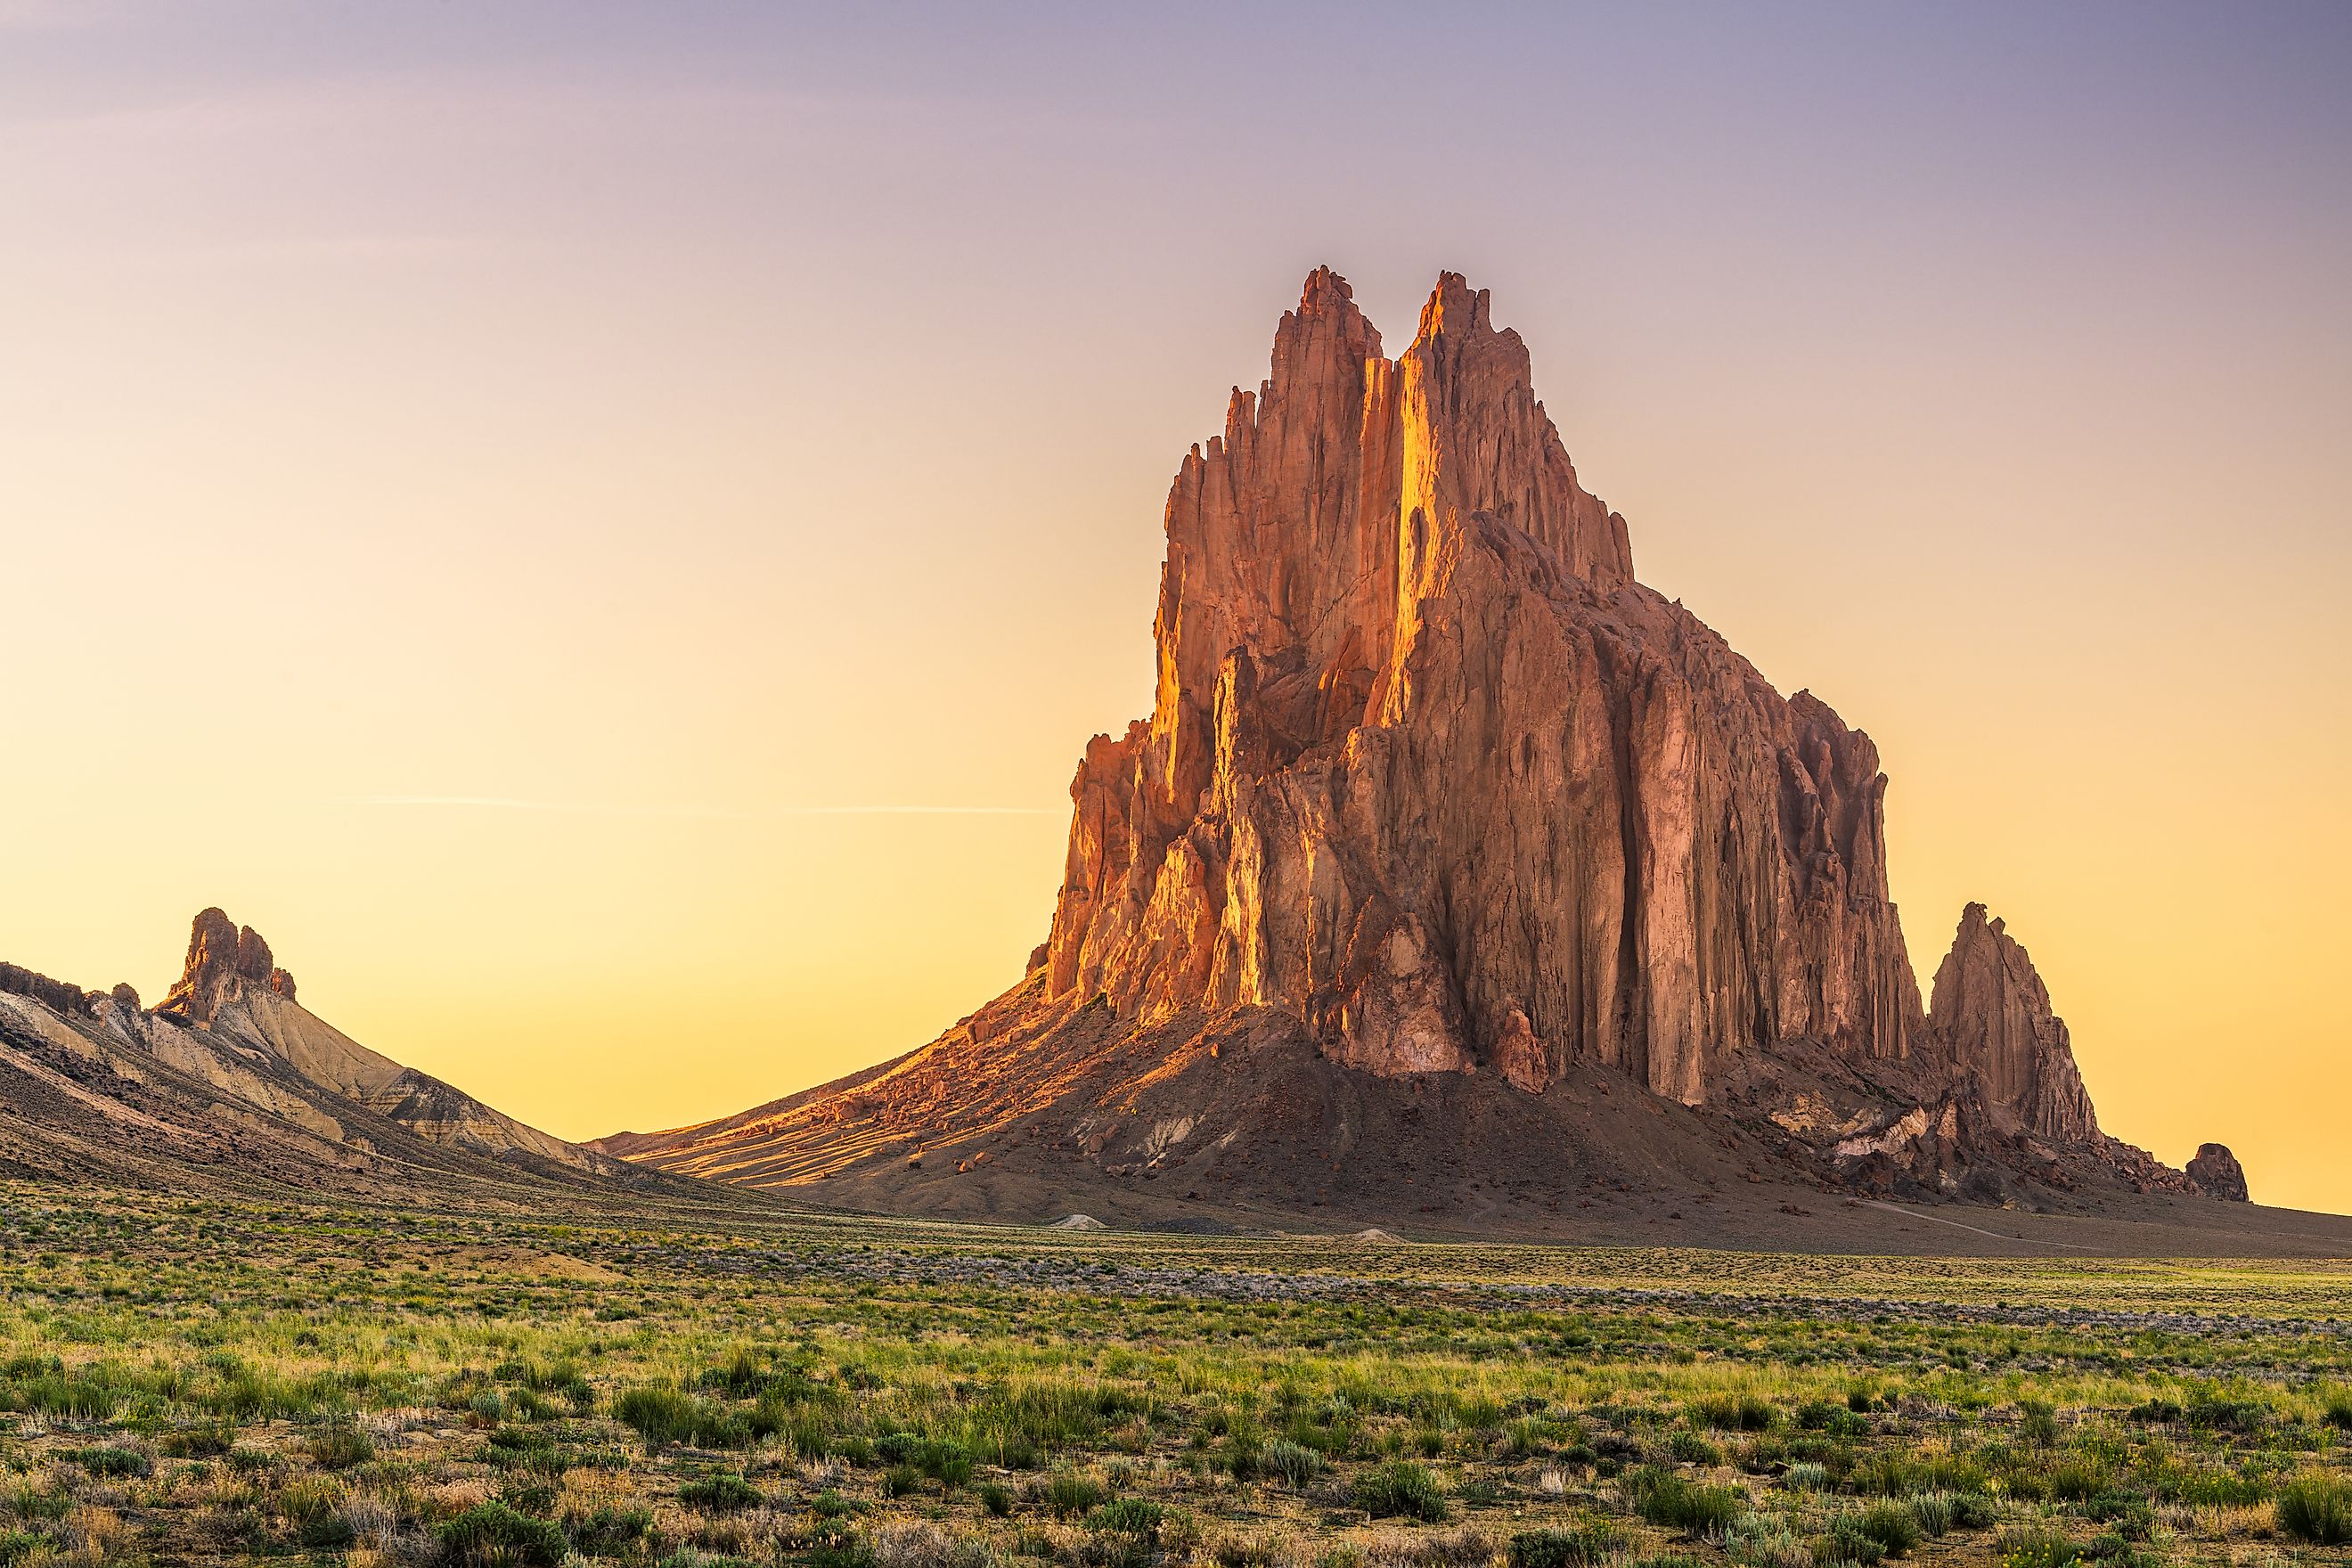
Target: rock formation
x,y
224,961
1433,789
1991,1017
231,1073
1429,769
2217,1174
16,981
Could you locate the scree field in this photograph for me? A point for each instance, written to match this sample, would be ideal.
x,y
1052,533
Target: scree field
x,y
217,1381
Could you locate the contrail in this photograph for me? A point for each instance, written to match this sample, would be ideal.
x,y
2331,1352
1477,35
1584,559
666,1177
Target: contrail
x,y
597,808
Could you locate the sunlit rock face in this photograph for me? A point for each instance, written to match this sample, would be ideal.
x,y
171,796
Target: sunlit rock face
x,y
224,959
1428,769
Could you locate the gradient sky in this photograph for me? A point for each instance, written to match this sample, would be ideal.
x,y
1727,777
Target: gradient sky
x,y
489,494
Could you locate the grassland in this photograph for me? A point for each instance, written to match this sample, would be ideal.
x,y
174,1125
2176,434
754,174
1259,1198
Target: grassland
x,y
205,1381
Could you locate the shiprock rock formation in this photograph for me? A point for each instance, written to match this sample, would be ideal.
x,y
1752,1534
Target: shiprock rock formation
x,y
1431,772
1440,817
231,1081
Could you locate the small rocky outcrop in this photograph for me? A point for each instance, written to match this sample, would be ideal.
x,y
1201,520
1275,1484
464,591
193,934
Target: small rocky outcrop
x,y
223,959
2218,1174
16,981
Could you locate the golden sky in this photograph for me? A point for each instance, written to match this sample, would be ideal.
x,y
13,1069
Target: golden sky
x,y
500,498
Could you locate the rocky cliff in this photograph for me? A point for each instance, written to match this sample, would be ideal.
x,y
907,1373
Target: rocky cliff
x,y
1433,789
1429,769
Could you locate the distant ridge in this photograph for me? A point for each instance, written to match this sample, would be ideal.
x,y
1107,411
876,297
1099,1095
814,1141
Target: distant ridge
x,y
230,1081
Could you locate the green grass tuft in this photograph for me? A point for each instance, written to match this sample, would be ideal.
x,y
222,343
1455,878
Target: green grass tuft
x,y
722,1493
1585,1547
493,1535
2317,1509
1399,1490
1670,1501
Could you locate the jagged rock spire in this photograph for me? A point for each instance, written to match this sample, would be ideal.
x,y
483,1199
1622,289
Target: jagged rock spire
x,y
1992,1016
223,958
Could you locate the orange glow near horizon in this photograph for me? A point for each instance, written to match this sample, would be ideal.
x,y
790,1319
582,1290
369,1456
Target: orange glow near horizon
x,y
516,516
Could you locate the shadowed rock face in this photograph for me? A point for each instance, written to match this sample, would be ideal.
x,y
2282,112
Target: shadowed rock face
x,y
2218,1174
1429,769
1991,1016
16,981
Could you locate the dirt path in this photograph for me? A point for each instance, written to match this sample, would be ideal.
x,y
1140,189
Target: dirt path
x,y
1955,1225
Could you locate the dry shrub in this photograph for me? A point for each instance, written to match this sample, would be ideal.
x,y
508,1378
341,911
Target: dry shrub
x,y
383,1537
753,1533
1240,1549
1464,1547
91,1535
2256,1557
917,1543
1460,1548
729,1534
1063,1542
390,1428
448,1499
373,1520
585,1492
2215,1522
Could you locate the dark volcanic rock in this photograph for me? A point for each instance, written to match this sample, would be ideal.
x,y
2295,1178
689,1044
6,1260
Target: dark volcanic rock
x,y
56,994
2217,1172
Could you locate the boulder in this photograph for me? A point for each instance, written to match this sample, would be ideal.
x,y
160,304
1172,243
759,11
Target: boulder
x,y
2218,1174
